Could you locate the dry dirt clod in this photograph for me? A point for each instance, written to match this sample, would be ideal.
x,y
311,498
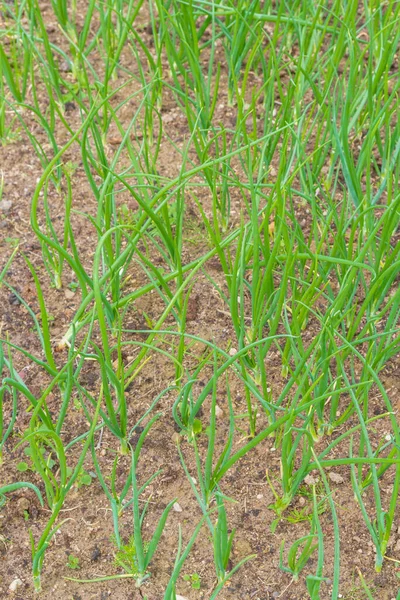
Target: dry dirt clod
x,y
6,205
176,438
23,505
311,480
242,548
69,294
335,477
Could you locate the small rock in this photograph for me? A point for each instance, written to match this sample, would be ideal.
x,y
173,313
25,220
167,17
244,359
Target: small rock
x,y
179,597
218,411
69,107
177,507
335,477
259,496
302,501
14,300
311,480
69,294
6,205
15,584
95,554
397,546
65,67
232,352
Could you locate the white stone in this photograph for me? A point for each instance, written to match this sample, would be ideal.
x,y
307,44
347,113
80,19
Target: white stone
x,y
177,507
15,584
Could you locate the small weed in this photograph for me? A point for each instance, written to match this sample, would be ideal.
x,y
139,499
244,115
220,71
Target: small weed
x,y
12,241
73,562
23,466
194,579
126,557
84,478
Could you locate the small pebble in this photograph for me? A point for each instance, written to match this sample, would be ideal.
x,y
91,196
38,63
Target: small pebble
x,y
95,554
218,411
177,507
15,584
65,67
13,300
6,205
69,107
232,352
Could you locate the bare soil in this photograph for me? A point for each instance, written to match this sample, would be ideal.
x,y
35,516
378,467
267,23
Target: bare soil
x,y
87,530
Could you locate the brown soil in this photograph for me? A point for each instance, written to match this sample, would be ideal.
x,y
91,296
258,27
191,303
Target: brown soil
x,y
86,532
